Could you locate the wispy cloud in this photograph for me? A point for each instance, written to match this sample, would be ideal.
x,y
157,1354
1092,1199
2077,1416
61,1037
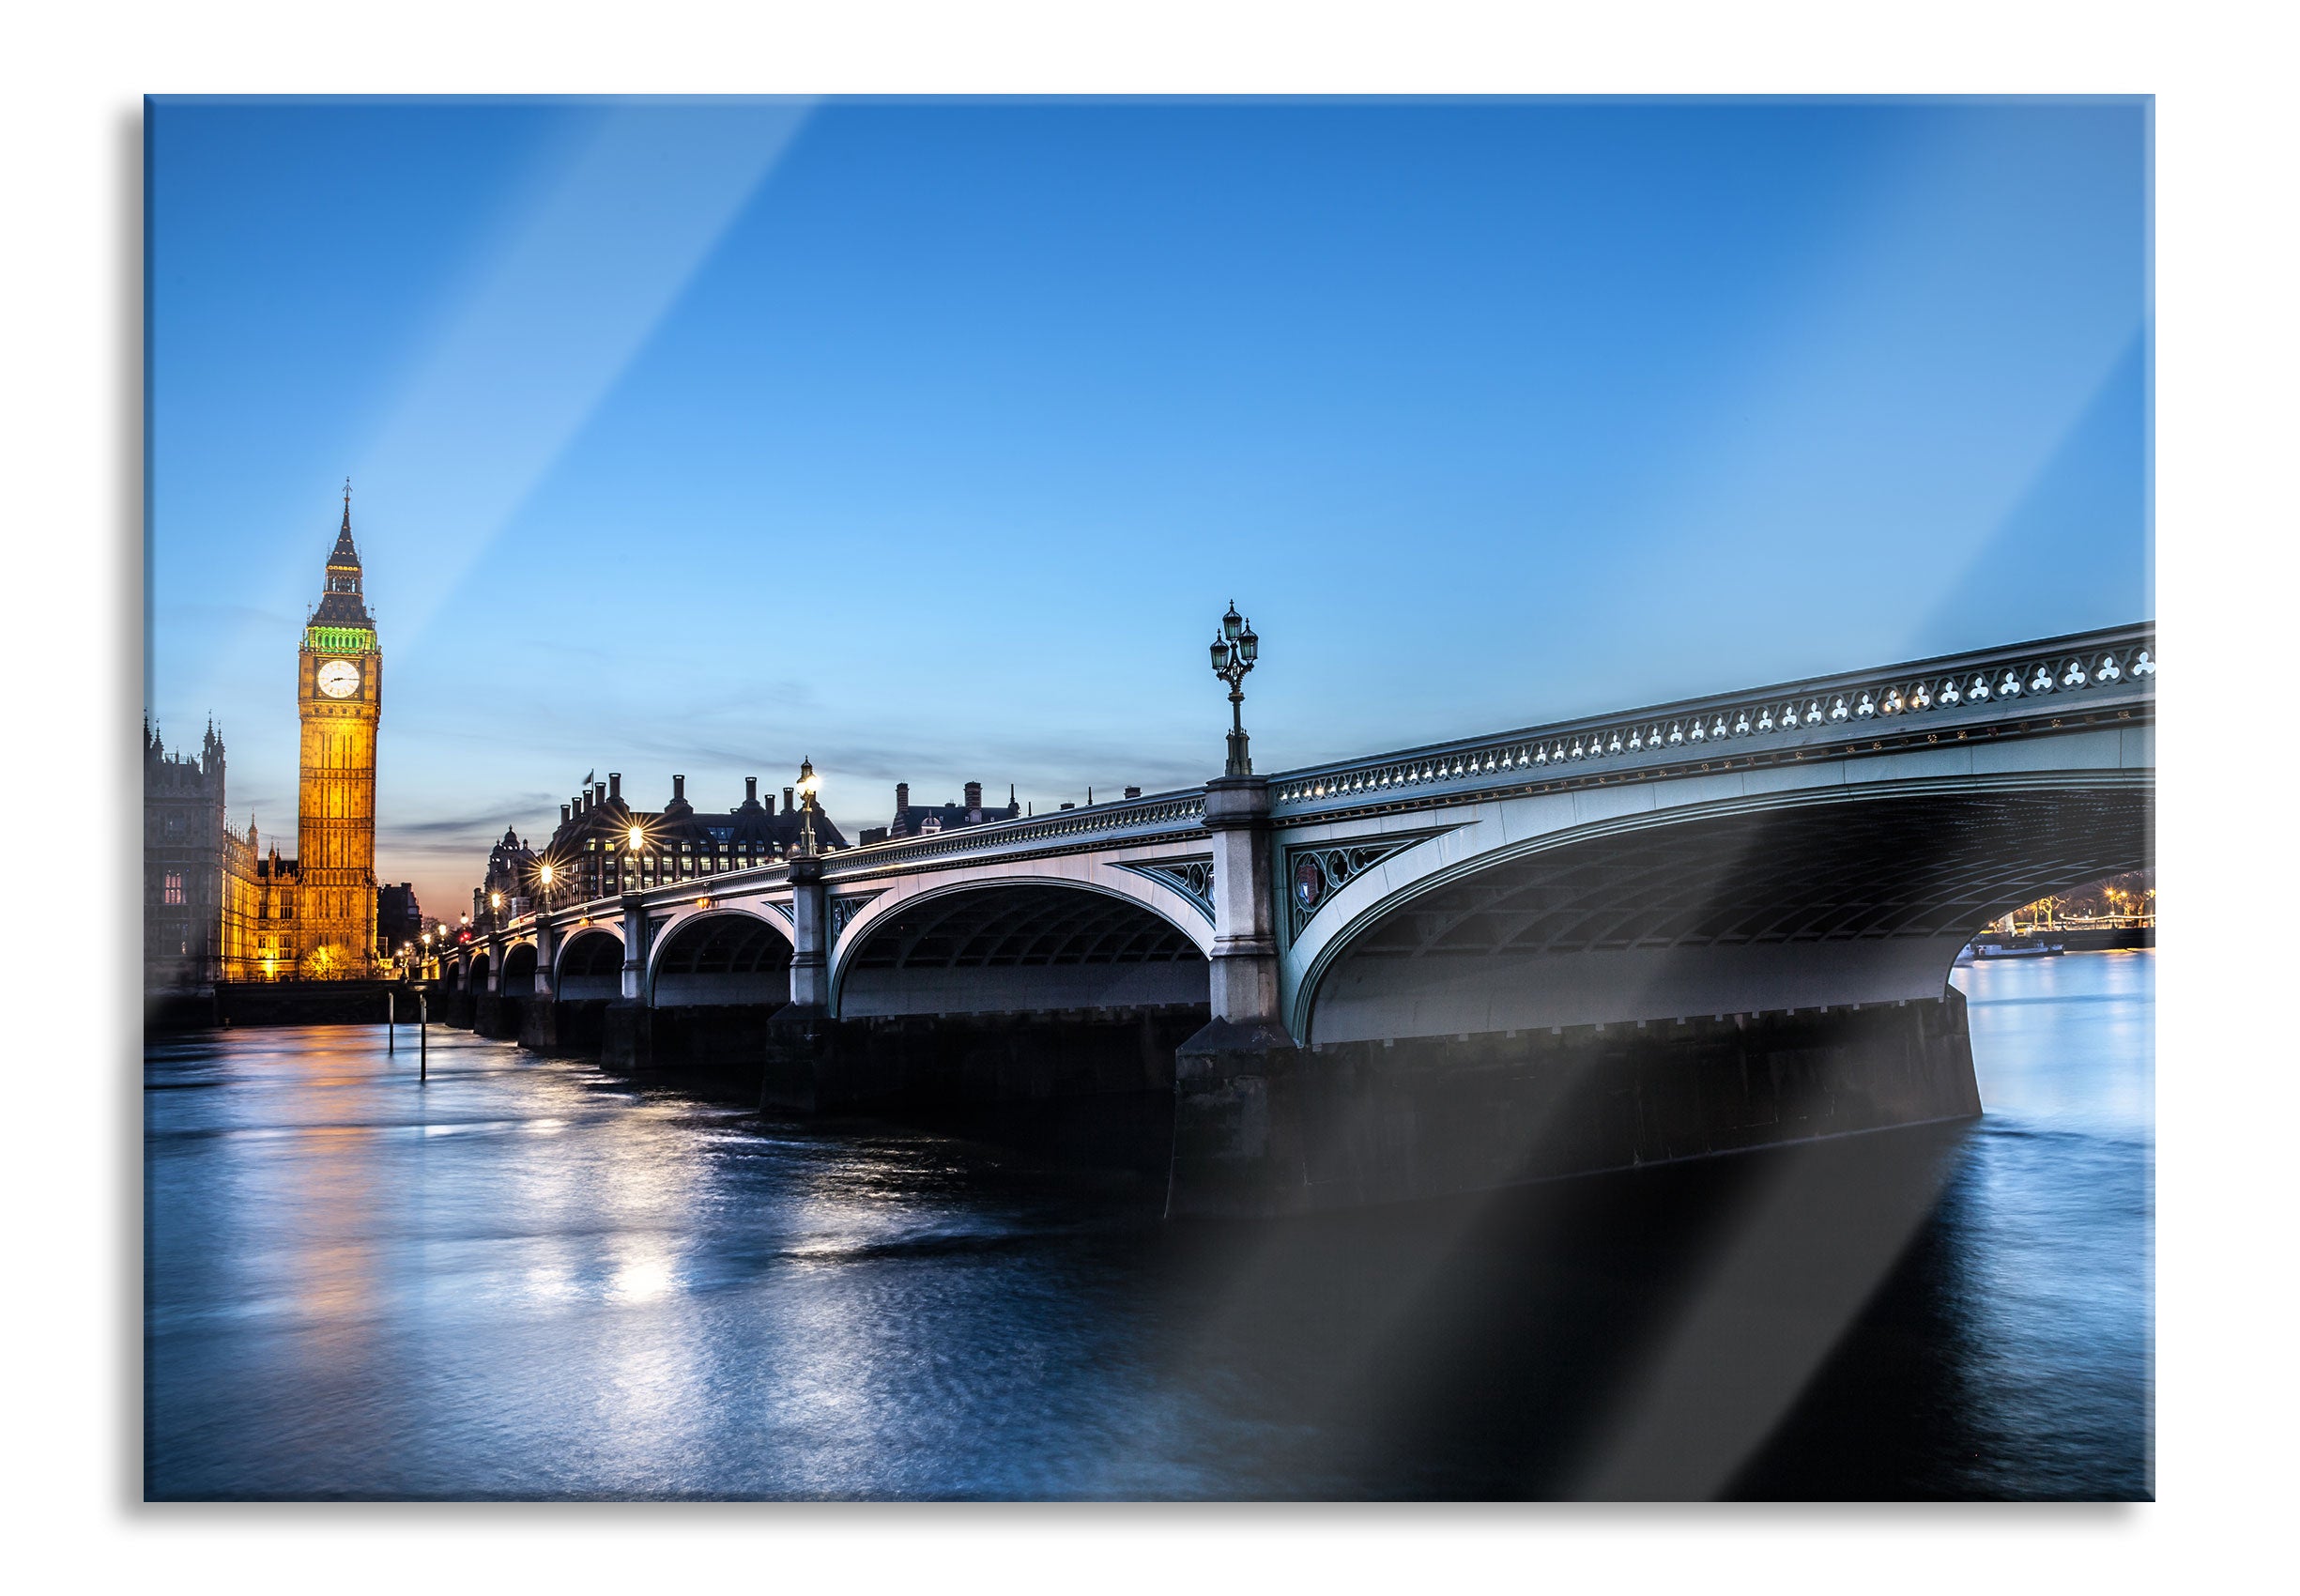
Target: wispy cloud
x,y
484,822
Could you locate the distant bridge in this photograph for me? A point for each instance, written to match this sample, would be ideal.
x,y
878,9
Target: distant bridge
x,y
1646,935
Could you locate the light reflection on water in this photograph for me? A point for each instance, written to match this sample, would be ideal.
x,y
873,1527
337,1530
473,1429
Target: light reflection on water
x,y
527,1278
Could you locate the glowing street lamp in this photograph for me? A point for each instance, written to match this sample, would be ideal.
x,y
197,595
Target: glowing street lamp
x,y
809,783
1234,653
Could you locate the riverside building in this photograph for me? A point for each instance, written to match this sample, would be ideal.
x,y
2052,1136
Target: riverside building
x,y
604,846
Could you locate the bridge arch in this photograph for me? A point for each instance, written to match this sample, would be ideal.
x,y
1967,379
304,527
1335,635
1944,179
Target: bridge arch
x,y
591,964
519,968
720,955
1015,939
1764,891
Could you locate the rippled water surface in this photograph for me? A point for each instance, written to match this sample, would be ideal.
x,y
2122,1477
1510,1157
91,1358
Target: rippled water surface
x,y
525,1278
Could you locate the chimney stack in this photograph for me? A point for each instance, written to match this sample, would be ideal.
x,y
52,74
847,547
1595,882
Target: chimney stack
x,y
678,789
974,798
750,790
1134,792
599,793
789,793
902,798
566,813
614,787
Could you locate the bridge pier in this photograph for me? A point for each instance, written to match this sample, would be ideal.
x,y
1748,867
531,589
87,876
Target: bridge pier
x,y
626,1040
492,1017
565,1026
538,1014
1090,1085
1237,1135
538,1025
1358,1123
626,1036
803,1069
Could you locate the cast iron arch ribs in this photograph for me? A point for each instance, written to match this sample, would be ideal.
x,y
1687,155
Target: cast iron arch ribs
x,y
1918,866
1029,924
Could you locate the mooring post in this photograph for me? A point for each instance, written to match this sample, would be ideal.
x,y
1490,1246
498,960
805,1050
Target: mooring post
x,y
422,1034
391,1021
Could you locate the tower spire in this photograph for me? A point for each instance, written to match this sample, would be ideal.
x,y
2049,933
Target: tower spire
x,y
340,604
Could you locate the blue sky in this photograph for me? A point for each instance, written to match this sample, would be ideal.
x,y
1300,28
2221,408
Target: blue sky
x,y
928,439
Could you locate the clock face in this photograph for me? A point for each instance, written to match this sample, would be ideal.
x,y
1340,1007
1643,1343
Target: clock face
x,y
339,679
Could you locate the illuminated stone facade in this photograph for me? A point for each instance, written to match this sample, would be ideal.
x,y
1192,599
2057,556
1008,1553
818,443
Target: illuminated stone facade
x,y
339,699
594,853
200,890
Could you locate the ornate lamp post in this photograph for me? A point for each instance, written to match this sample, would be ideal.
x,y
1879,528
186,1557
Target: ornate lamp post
x,y
809,783
1233,654
634,841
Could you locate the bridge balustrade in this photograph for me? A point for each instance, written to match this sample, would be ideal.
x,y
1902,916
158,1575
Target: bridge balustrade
x,y
1986,686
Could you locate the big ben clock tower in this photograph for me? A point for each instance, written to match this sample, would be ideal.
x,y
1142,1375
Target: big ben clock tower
x,y
338,696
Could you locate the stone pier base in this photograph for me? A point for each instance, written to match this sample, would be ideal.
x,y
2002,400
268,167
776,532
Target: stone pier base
x,y
626,1036
802,1065
1262,1127
725,1039
538,1025
496,1015
564,1027
1086,1086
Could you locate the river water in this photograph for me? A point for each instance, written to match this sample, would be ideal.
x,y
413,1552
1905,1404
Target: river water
x,y
525,1279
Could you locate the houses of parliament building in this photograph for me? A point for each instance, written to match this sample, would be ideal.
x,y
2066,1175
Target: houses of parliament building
x,y
217,907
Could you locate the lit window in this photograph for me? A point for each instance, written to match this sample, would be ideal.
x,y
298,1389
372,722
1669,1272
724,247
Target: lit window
x,y
172,888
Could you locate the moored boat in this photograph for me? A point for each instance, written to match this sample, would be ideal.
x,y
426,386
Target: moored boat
x,y
2019,948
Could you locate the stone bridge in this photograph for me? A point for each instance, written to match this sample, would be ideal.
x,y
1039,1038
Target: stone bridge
x,y
1658,934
